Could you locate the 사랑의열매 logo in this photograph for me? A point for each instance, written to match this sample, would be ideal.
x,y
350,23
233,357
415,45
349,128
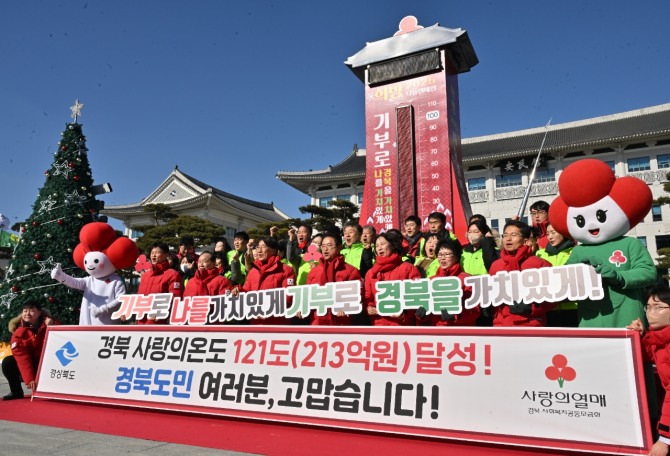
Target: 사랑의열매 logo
x,y
559,370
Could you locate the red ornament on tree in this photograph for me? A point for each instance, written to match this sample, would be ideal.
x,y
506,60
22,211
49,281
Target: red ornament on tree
x,y
51,299
64,148
59,221
23,229
46,173
70,164
75,178
37,256
15,289
36,223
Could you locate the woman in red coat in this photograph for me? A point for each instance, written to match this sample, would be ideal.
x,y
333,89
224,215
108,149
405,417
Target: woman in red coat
x,y
448,255
268,272
331,268
388,266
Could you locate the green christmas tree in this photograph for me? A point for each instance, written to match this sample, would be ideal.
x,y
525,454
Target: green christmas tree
x,y
64,205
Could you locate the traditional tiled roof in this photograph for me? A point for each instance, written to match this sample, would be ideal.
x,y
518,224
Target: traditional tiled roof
x,y
182,191
627,127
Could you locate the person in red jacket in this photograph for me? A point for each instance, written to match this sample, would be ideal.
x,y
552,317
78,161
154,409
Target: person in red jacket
x,y
207,280
516,255
539,215
161,278
389,266
449,254
265,273
656,349
27,342
331,268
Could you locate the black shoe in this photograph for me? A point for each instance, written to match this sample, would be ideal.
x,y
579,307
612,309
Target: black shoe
x,y
11,396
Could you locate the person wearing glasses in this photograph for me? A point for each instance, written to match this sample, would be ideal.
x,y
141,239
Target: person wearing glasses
x,y
539,216
516,255
449,261
331,268
656,349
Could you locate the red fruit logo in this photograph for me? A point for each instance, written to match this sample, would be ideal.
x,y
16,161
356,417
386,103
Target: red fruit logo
x,y
559,370
312,253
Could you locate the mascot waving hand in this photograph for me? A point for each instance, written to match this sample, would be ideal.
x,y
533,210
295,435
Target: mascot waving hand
x,y
597,209
100,253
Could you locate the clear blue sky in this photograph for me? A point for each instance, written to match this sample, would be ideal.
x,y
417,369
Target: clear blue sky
x,y
232,92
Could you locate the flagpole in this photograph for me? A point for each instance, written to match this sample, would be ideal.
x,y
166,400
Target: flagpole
x,y
531,177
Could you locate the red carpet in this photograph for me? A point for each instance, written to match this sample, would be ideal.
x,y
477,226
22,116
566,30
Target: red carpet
x,y
233,434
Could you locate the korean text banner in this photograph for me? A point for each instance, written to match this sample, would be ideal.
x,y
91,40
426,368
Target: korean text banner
x,y
567,389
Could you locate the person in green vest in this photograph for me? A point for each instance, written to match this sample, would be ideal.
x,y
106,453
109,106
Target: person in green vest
x,y
557,253
437,223
238,272
480,252
426,262
353,251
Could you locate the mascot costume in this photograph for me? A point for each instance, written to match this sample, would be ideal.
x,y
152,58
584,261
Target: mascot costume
x,y
597,209
100,253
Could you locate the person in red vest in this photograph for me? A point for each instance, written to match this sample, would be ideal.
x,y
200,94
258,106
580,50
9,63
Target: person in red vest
x,y
516,255
331,268
27,342
539,216
161,278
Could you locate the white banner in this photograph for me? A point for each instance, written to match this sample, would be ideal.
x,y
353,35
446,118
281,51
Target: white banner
x,y
570,389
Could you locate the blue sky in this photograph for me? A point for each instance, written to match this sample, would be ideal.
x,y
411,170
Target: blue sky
x,y
232,92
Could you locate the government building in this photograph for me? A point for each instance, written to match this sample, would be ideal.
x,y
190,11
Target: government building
x,y
497,167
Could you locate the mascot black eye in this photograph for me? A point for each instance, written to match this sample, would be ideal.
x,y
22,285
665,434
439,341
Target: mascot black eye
x,y
85,262
96,261
581,221
601,215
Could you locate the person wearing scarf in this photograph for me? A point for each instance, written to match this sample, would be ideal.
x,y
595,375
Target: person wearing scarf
x,y
268,272
449,260
557,253
412,235
389,266
517,256
27,342
207,280
161,278
331,268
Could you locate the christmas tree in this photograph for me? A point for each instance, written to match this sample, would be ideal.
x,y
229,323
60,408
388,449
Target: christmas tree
x,y
64,205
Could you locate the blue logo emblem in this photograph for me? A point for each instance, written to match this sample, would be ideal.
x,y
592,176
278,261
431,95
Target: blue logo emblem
x,y
66,353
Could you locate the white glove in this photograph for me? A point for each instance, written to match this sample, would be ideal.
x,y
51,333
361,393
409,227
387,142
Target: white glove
x,y
56,272
97,311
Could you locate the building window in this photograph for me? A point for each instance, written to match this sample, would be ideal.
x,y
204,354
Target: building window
x,y
547,175
230,232
662,242
345,197
134,234
638,164
477,183
323,201
508,180
610,163
495,225
360,198
643,240
663,161
656,214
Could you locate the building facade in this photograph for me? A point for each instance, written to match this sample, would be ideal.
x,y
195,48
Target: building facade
x,y
497,167
187,195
